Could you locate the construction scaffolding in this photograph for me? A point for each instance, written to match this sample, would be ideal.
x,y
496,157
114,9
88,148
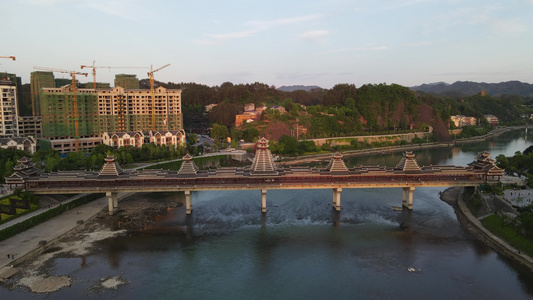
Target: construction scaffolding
x,y
127,81
39,80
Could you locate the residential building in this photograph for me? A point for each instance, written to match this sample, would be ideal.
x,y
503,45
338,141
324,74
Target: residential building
x,y
8,109
249,107
461,121
27,144
167,137
38,81
246,117
30,126
123,139
105,110
492,119
279,108
209,107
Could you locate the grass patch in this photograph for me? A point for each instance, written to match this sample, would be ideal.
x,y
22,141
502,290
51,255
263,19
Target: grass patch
x,y
497,225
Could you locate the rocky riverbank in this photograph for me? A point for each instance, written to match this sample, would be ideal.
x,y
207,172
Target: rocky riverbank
x,y
133,216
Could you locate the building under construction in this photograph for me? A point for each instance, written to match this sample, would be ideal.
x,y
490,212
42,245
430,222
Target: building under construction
x,y
38,81
105,110
127,81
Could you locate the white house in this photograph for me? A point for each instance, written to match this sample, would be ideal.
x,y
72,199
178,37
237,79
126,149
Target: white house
x,y
168,137
27,144
122,139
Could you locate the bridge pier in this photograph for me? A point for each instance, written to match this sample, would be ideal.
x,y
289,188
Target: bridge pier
x,y
188,202
407,195
263,201
112,201
337,198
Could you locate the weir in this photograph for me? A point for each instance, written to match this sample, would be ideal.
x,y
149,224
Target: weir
x,y
263,175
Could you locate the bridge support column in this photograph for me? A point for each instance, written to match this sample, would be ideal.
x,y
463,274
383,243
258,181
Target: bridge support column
x,y
407,197
263,201
112,201
188,202
337,198
115,201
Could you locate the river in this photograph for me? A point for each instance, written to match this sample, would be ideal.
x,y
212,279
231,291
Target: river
x,y
302,249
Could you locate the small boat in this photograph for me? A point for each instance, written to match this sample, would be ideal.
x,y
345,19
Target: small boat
x,y
396,207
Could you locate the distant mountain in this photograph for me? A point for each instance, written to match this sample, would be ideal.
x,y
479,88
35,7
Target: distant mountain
x,y
467,88
293,88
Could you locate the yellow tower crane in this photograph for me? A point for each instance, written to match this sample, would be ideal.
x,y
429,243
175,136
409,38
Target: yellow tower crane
x,y
105,67
12,57
151,74
74,97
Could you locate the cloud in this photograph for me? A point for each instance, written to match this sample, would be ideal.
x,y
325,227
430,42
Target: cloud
x,y
316,36
43,2
418,44
126,9
357,49
488,17
216,39
509,26
255,27
273,23
232,35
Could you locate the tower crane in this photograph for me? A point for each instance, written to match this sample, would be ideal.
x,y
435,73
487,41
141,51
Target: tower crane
x,y
151,74
12,57
106,67
74,98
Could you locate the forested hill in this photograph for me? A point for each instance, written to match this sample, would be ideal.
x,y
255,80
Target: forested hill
x,y
468,88
343,110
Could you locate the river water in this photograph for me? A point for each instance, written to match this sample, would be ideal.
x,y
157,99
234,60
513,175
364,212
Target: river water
x,y
302,249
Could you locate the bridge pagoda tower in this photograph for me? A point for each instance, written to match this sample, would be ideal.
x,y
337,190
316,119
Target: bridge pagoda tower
x,y
487,165
337,166
409,165
110,170
262,165
188,168
25,169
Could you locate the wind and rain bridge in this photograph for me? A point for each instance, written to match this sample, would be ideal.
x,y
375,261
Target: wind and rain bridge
x,y
262,175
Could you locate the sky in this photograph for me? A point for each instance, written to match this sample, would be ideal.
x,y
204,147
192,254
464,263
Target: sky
x,y
324,43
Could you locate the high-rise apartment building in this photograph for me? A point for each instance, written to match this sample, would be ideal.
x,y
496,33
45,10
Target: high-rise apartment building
x,y
8,109
39,80
106,110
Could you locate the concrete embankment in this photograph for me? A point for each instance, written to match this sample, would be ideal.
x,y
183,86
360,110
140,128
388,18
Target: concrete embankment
x,y
455,197
391,149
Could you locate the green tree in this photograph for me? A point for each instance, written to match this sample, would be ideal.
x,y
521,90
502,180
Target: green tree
x,y
288,145
219,131
193,138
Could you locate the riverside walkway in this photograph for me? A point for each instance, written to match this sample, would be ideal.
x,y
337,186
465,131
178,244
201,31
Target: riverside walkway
x,y
25,244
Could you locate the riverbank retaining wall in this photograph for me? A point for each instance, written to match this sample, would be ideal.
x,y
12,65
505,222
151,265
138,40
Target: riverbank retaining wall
x,y
408,137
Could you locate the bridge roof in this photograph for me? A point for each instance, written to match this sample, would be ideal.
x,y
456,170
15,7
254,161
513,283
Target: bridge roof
x,y
263,167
